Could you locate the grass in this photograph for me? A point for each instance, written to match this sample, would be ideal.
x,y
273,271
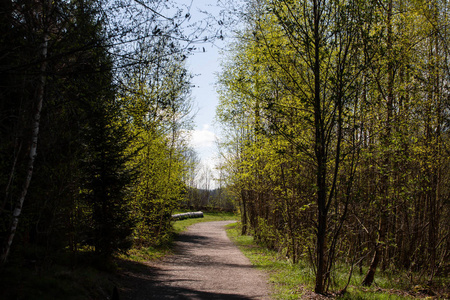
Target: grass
x,y
291,281
286,279
146,253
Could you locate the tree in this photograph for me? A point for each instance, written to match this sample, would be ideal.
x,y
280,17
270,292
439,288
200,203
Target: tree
x,y
157,106
90,51
106,175
41,31
310,97
336,106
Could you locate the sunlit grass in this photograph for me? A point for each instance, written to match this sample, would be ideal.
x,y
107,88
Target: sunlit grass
x,y
146,253
294,281
286,278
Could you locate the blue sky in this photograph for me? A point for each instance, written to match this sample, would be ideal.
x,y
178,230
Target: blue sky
x,y
204,65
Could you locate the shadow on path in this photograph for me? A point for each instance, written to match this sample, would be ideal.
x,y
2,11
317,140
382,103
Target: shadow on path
x,y
205,265
140,282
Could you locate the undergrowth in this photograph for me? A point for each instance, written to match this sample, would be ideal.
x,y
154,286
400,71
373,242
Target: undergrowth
x,y
296,281
58,277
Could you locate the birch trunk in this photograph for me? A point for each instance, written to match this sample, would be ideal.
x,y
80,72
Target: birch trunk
x,y
32,154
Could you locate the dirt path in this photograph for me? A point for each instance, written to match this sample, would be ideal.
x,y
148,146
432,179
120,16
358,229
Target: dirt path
x,y
206,265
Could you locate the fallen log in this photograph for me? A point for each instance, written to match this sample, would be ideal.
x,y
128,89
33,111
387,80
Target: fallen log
x,y
188,215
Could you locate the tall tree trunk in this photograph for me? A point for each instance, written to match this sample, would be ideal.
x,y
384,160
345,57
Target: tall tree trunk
x,y
322,213
435,147
244,213
32,154
382,225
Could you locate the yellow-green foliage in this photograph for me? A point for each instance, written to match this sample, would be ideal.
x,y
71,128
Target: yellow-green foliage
x,y
157,190
158,112
335,124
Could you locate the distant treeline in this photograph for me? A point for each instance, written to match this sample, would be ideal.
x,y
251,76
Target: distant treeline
x,y
219,199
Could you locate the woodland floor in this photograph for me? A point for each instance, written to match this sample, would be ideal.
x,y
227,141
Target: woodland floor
x,y
205,265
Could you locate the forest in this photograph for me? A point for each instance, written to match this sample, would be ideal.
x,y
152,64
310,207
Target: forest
x,y
94,121
335,118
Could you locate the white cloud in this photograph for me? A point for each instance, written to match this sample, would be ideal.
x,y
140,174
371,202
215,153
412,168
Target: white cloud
x,y
204,143
203,138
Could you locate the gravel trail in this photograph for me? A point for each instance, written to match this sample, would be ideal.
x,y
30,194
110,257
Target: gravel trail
x,y
206,265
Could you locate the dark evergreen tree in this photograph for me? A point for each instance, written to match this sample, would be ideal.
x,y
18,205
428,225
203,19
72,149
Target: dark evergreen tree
x,y
80,174
106,177
79,123
102,216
